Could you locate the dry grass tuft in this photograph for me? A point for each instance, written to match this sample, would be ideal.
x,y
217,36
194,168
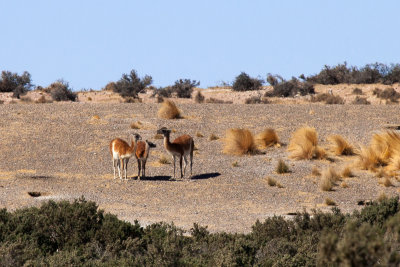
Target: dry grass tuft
x,y
96,117
239,142
330,202
344,185
213,137
235,164
329,178
164,160
304,145
136,125
382,197
340,146
198,134
315,171
266,138
271,181
386,182
347,172
282,167
169,111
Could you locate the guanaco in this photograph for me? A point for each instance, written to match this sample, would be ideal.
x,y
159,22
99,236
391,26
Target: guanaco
x,y
121,152
181,147
142,153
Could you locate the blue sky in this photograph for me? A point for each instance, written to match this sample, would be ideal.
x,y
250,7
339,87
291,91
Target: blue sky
x,y
90,43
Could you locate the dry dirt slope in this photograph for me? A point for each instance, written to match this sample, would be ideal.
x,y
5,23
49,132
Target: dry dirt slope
x,y
61,150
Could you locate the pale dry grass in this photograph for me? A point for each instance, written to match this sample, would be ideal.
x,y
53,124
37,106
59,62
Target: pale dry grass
x,y
164,160
213,137
315,171
239,142
136,125
329,178
386,182
346,172
330,202
169,111
340,146
304,145
266,138
199,134
271,181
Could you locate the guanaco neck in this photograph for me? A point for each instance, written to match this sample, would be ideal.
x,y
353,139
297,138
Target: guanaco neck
x,y
167,143
132,148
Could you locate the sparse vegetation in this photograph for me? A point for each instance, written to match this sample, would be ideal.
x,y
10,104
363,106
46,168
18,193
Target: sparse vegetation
x,y
199,134
239,142
212,100
282,167
78,233
266,138
361,101
235,164
304,144
329,178
256,100
388,94
328,99
136,125
315,171
243,82
169,111
347,172
385,181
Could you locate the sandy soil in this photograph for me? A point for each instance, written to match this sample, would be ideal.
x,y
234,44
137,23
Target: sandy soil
x,y
61,151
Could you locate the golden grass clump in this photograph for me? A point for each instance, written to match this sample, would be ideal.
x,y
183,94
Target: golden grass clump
x,y
344,185
235,164
340,146
213,137
266,138
239,142
271,181
164,160
136,125
169,111
282,167
199,134
386,182
329,202
304,145
315,171
347,172
329,177
384,150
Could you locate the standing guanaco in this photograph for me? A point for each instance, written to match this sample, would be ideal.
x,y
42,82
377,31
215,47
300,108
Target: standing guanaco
x,y
142,153
121,152
181,147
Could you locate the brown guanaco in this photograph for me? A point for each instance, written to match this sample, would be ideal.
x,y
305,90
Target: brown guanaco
x,y
121,152
182,147
142,153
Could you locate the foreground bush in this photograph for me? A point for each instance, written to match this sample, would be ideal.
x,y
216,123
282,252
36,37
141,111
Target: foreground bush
x,y
78,234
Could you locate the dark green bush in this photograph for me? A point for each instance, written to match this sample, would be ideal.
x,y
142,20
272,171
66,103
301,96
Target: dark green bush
x,y
130,85
60,91
12,82
184,88
78,234
289,88
243,82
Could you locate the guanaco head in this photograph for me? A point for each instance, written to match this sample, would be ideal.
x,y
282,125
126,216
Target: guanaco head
x,y
164,131
136,137
150,144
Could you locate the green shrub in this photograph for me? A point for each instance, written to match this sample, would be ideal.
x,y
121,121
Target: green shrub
x,y
243,82
130,85
12,82
289,88
60,91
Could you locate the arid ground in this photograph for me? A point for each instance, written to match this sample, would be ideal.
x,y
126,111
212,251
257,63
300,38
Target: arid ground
x,y
61,151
